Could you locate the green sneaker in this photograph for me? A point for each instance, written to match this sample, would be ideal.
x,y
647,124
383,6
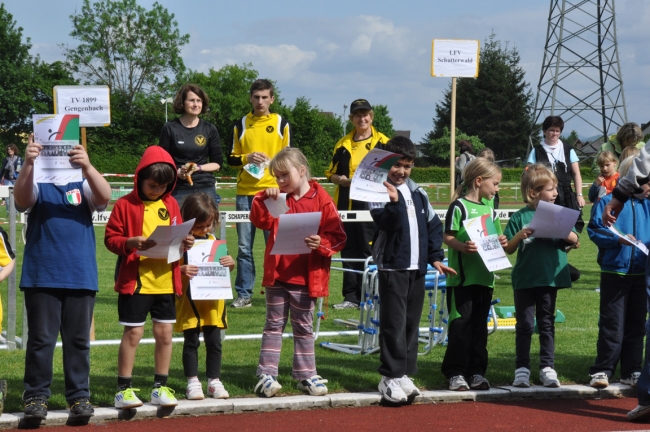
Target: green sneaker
x,y
163,396
126,399
3,395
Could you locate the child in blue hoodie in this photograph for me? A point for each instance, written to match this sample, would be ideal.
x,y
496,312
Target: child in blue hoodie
x,y
621,324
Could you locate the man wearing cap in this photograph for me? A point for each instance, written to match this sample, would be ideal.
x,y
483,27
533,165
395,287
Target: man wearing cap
x,y
348,153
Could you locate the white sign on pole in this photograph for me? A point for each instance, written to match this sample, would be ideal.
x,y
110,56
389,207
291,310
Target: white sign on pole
x,y
92,103
455,58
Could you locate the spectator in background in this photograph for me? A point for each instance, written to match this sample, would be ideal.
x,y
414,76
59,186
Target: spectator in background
x,y
629,135
466,156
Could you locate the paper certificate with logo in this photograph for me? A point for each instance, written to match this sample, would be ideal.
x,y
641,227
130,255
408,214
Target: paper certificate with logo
x,y
58,134
169,241
481,230
368,180
213,280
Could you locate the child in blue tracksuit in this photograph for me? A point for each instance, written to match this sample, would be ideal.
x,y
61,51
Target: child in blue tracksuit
x,y
408,236
621,324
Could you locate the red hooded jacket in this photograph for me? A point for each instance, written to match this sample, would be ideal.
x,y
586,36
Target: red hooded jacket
x,y
126,221
330,230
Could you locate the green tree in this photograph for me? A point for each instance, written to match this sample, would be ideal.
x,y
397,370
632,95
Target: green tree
x,y
25,82
571,139
125,46
437,150
382,121
496,106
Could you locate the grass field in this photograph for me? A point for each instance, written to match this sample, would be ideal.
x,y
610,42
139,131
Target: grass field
x,y
575,339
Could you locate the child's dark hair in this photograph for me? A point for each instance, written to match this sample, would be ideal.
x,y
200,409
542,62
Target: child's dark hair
x,y
160,172
200,206
402,146
262,84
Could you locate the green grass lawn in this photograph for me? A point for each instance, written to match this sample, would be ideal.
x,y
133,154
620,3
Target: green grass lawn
x,y
575,339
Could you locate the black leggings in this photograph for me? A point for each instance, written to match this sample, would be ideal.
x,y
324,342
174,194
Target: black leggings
x,y
212,339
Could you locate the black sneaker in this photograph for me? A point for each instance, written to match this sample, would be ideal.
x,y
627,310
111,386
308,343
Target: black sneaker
x,y
3,395
81,408
35,408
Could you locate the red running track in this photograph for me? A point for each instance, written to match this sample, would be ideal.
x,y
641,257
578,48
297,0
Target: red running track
x,y
532,415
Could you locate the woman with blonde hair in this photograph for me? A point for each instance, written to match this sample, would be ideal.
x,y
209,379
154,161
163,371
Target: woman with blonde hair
x,y
629,135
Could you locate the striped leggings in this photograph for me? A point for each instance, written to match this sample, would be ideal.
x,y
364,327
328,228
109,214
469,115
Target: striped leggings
x,y
280,300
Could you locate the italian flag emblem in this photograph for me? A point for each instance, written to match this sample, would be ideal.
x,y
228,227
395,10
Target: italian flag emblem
x,y
73,196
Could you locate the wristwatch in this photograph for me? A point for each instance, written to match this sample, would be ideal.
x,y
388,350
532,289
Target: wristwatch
x,y
579,194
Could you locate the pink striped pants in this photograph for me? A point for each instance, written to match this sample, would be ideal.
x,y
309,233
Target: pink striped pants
x,y
282,299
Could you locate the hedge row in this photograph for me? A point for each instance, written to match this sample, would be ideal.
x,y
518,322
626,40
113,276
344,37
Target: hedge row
x,y
510,175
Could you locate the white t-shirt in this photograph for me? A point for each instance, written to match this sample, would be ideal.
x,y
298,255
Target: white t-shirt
x,y
413,226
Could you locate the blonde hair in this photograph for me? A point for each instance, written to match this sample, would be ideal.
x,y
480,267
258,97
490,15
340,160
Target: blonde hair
x,y
629,151
487,153
625,165
479,167
629,132
288,157
604,157
200,206
534,178
362,112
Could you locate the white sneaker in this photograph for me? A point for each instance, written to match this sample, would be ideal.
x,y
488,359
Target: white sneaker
x,y
599,380
458,383
163,396
391,391
409,388
641,412
267,386
548,377
632,379
126,399
314,386
194,391
217,390
522,377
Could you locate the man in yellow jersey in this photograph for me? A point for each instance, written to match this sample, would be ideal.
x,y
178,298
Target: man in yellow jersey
x,y
257,137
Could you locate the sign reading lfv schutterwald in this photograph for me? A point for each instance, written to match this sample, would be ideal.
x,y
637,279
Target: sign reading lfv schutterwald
x,y
455,58
92,103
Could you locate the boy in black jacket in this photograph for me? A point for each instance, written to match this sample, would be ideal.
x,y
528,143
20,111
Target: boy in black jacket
x,y
408,236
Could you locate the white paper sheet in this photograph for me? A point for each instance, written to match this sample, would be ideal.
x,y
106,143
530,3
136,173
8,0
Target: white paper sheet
x,y
617,233
58,134
277,207
213,279
553,221
368,180
169,241
481,230
293,229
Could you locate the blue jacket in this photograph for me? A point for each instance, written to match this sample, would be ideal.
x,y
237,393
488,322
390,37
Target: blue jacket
x,y
634,219
392,241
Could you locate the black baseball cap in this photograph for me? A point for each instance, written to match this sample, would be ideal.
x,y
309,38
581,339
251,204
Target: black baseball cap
x,y
360,104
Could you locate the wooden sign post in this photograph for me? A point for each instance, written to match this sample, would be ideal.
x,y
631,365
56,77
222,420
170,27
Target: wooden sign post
x,y
454,58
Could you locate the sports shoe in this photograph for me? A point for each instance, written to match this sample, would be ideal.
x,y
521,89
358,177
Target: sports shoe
x,y
548,377
217,390
346,305
641,412
194,390
409,388
163,396
632,379
81,408
314,386
599,380
35,408
391,391
242,302
3,394
479,382
522,377
458,383
126,399
267,386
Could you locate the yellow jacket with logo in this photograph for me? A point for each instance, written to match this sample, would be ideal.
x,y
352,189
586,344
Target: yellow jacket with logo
x,y
267,134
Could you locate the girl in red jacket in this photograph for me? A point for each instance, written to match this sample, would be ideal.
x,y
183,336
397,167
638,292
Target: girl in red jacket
x,y
292,282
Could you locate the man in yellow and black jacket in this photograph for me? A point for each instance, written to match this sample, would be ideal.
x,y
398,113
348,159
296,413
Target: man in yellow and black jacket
x,y
257,138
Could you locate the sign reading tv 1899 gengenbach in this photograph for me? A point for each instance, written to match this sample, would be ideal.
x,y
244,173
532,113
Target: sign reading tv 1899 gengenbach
x,y
92,103
454,58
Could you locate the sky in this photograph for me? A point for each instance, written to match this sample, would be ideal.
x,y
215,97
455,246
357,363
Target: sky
x,y
336,51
